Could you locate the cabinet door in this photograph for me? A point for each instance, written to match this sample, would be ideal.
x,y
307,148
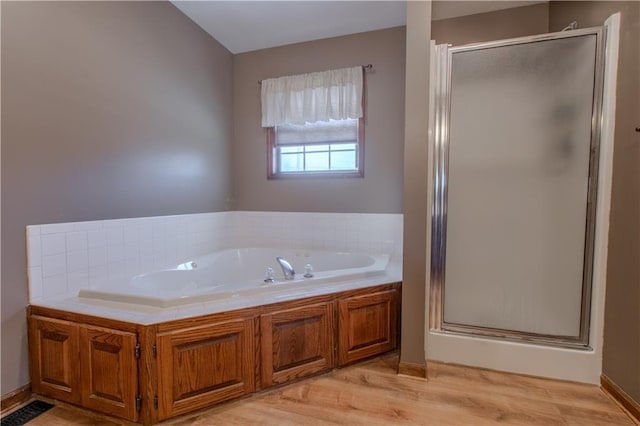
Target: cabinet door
x,y
203,365
109,371
54,358
296,342
367,325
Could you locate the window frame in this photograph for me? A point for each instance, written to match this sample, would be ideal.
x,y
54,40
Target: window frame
x,y
272,159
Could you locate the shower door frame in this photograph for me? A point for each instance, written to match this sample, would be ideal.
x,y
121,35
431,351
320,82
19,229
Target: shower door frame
x,y
439,203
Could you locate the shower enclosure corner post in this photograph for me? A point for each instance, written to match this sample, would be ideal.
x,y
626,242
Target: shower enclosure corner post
x,y
439,89
603,206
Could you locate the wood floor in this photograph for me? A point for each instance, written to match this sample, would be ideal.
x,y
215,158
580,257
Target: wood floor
x,y
370,393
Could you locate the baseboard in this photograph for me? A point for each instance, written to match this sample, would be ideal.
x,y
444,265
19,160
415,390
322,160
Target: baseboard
x,y
412,370
631,407
15,398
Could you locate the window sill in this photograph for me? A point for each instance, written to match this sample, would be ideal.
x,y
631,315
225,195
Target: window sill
x,y
316,175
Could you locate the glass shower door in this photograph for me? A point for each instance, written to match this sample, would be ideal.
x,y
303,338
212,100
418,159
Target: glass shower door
x,y
515,177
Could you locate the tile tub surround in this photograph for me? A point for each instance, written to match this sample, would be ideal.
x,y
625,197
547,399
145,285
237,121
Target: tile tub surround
x,y
64,258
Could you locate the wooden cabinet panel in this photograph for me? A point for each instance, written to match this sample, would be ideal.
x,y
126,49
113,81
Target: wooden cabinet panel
x,y
203,365
296,342
109,371
193,363
54,358
367,325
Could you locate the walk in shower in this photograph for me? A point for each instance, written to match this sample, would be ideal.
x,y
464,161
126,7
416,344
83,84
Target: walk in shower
x,y
515,171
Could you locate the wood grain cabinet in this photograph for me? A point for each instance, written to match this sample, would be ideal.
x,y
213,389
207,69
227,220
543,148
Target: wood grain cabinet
x,y
54,358
109,371
204,365
149,373
367,325
92,366
296,342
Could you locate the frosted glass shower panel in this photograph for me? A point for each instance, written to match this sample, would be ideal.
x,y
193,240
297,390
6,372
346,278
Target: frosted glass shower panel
x,y
519,149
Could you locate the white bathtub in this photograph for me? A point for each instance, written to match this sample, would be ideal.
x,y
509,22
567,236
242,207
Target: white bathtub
x,y
236,273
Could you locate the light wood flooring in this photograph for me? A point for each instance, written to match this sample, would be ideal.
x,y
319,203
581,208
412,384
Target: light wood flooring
x,y
371,393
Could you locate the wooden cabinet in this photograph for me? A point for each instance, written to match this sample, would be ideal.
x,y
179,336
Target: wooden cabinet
x,y
109,371
149,373
296,342
81,364
367,325
54,358
203,365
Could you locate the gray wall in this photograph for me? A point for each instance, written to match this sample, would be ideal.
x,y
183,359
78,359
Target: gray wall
x,y
412,344
380,191
497,25
109,110
621,361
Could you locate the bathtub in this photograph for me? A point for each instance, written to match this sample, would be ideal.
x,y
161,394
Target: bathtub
x,y
240,273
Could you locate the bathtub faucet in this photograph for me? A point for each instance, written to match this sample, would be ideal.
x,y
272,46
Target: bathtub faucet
x,y
287,269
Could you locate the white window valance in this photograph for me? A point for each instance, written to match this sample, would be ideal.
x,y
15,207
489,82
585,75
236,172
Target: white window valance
x,y
308,98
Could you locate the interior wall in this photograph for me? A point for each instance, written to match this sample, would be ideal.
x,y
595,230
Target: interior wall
x,y
109,110
621,352
380,191
416,211
498,25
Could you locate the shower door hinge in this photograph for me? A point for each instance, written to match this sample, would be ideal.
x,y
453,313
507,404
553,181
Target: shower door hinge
x,y
136,351
138,402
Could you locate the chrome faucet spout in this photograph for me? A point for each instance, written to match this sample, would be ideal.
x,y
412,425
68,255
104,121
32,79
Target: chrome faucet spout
x,y
287,269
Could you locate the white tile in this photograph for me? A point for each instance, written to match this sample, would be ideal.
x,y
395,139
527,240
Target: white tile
x,y
33,230
54,264
88,226
132,266
146,264
115,254
97,256
98,276
54,285
34,250
76,240
131,250
115,236
387,247
56,228
146,248
77,281
96,238
53,243
146,231
35,282
114,223
77,261
131,233
116,271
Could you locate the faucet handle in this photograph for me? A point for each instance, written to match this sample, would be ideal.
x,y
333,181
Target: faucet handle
x,y
308,271
268,275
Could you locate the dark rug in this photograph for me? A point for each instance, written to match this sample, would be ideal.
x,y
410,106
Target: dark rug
x,y
26,413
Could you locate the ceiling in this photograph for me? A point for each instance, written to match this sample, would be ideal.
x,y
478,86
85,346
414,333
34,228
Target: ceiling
x,y
242,26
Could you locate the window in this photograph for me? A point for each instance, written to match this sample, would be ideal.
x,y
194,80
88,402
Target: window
x,y
331,148
315,124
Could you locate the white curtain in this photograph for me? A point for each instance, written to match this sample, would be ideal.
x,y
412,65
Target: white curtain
x,y
332,131
307,98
